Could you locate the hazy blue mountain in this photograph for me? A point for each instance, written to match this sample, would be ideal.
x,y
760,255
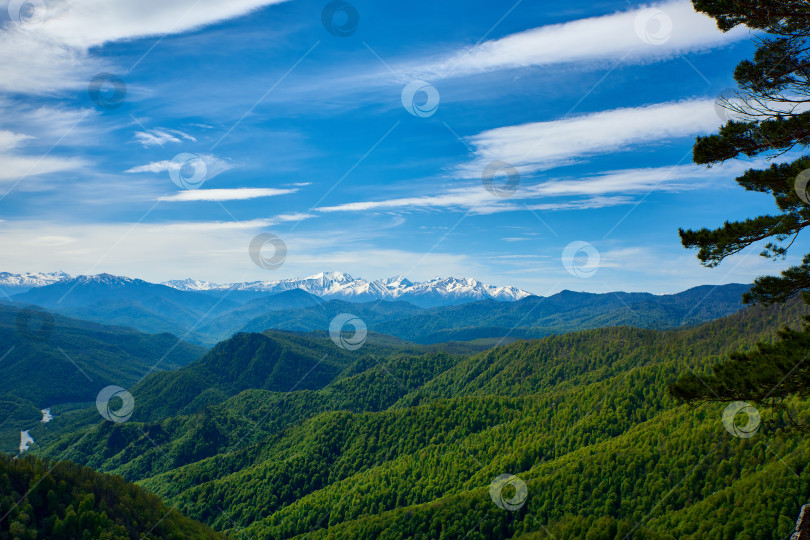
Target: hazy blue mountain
x,y
130,302
401,445
19,283
232,321
533,316
47,360
341,286
197,315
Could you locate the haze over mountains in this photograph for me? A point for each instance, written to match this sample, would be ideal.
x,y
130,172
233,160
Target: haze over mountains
x,y
385,443
205,313
277,425
329,285
339,285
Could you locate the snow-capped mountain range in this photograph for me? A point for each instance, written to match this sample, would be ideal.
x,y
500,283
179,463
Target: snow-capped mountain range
x,y
338,285
17,283
327,285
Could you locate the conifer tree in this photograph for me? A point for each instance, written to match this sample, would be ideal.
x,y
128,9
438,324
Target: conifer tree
x,y
770,117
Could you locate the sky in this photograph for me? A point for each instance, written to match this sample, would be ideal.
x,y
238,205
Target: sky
x,y
535,145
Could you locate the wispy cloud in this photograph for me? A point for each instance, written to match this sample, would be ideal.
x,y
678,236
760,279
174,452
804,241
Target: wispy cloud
x,y
477,200
251,224
213,165
609,37
17,166
238,194
162,136
542,145
296,216
597,190
9,139
56,50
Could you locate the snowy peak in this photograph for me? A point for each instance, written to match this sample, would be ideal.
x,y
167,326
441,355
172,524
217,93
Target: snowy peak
x,y
189,284
104,279
20,283
397,282
339,285
32,279
328,277
328,285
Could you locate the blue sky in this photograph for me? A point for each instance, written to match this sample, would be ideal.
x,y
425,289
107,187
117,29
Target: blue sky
x,y
303,133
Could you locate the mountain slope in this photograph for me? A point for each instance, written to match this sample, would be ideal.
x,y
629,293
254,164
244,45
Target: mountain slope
x,y
206,314
530,317
341,286
77,502
49,360
406,447
129,302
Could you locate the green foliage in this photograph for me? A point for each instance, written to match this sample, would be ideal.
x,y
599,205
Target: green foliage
x,y
405,446
764,376
41,499
69,361
774,89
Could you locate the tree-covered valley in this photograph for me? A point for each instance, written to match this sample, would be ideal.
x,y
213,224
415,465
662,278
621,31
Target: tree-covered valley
x,y
181,359
382,442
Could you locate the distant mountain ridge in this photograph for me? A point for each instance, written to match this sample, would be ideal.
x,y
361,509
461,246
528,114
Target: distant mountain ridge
x,y
341,286
528,318
205,314
18,283
328,285
240,441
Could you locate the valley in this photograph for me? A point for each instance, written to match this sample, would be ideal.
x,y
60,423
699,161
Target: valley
x,y
283,434
283,269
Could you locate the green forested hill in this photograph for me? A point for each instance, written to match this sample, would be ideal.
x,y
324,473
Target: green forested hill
x,y
64,500
48,360
401,445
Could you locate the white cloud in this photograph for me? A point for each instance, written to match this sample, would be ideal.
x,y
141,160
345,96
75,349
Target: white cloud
x,y
153,167
214,166
53,54
595,39
598,190
238,194
542,145
164,252
203,226
9,139
296,216
161,136
173,251
458,197
476,199
19,167
675,178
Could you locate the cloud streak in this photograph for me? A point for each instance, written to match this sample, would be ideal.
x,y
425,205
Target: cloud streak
x,y
611,188
238,194
56,48
214,166
541,145
630,35
161,137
